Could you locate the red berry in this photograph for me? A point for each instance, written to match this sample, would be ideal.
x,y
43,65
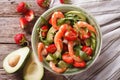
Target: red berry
x,y
22,7
62,1
87,50
50,21
65,47
43,3
29,15
44,28
43,34
19,38
79,64
23,22
71,35
85,36
51,48
67,58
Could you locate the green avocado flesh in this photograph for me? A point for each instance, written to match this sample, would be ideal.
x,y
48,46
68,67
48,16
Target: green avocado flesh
x,y
33,69
23,54
50,35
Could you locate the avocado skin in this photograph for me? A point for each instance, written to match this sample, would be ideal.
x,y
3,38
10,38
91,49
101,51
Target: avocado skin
x,y
21,66
29,62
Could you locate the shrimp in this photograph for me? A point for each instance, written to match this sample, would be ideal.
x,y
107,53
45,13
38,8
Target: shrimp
x,y
84,24
71,52
57,69
59,35
41,50
55,16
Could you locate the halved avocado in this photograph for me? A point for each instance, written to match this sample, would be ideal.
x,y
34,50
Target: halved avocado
x,y
33,69
15,60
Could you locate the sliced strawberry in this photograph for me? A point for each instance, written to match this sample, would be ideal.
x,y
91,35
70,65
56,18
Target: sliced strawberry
x,y
88,50
71,35
65,47
43,34
85,36
22,7
23,22
50,21
51,48
44,28
79,64
67,58
29,15
43,3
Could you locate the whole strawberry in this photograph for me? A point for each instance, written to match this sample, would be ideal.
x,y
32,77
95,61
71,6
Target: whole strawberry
x,y
22,7
20,39
29,15
61,1
43,3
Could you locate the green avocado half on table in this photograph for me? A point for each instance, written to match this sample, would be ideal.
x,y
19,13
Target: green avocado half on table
x,y
23,58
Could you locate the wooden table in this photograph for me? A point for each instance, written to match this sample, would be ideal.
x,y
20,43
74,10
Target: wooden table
x,y
9,26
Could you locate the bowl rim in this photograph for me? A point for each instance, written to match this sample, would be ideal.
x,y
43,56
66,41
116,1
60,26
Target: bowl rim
x,y
93,19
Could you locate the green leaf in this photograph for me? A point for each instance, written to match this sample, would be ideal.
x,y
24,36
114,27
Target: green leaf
x,y
93,43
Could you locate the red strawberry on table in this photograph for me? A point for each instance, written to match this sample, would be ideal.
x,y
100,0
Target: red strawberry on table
x,y
22,7
29,15
43,3
23,22
20,39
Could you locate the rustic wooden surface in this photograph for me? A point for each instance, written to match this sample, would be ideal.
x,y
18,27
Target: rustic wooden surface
x,y
9,26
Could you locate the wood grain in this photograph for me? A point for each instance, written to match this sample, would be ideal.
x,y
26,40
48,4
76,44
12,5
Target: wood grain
x,y
9,26
9,8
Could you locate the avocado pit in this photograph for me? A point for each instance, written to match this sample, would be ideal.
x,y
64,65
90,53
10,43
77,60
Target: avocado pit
x,y
13,61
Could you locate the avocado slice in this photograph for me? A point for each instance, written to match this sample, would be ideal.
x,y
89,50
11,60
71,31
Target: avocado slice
x,y
50,35
57,55
15,60
62,64
79,14
33,69
50,57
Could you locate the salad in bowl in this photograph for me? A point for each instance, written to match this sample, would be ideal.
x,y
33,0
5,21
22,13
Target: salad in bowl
x,y
66,40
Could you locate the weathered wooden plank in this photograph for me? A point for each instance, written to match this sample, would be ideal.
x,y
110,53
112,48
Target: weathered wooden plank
x,y
19,75
5,49
9,8
9,26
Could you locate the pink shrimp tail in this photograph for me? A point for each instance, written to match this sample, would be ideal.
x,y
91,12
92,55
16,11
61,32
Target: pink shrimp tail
x,y
56,69
55,16
59,35
84,24
71,52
